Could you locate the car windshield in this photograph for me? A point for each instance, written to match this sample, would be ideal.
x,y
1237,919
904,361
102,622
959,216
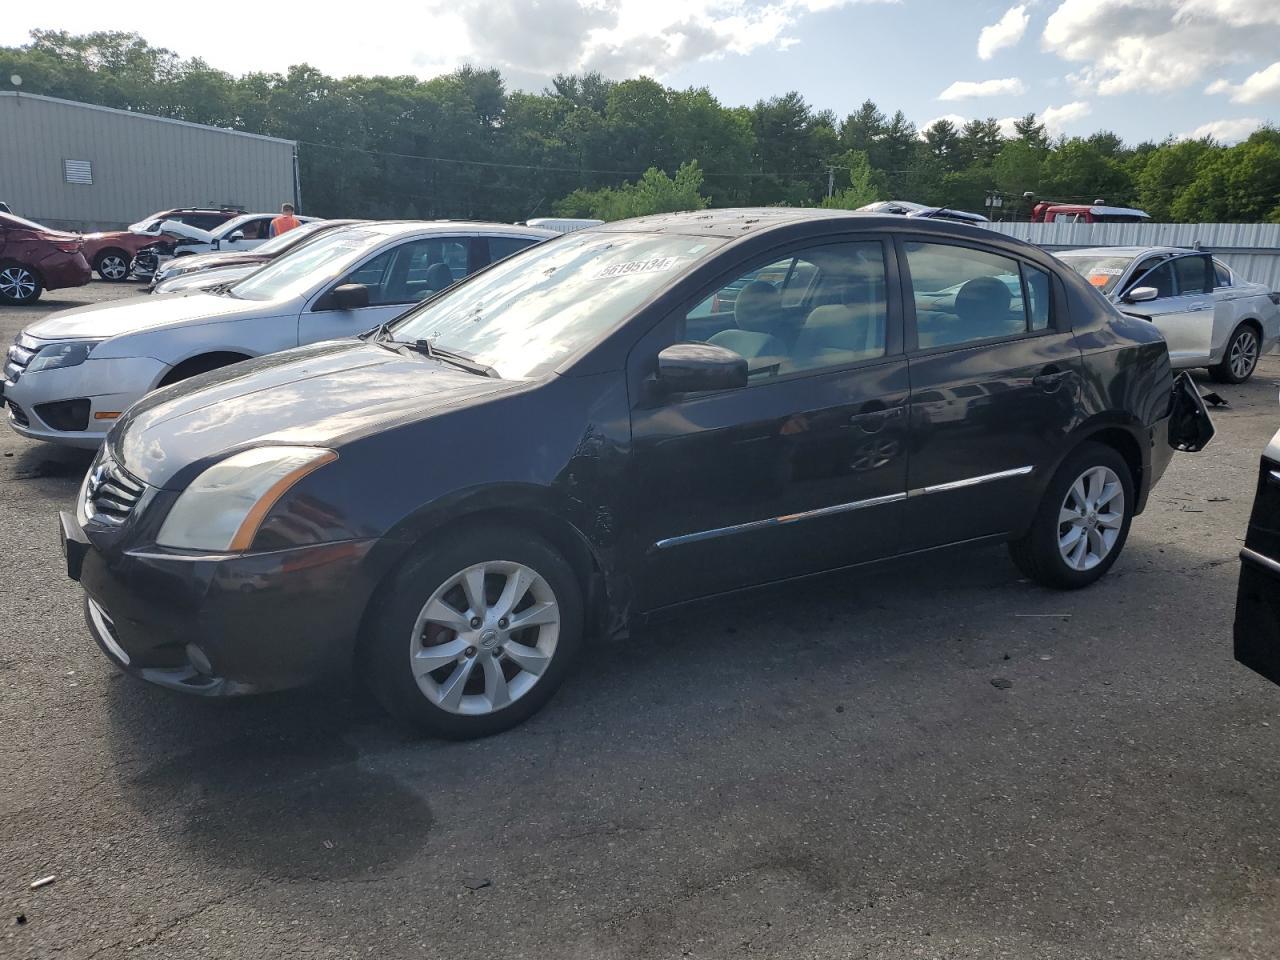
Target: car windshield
x,y
525,315
291,237
1104,272
293,273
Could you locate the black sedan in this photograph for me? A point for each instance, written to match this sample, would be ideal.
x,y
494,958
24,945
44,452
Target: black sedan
x,y
589,432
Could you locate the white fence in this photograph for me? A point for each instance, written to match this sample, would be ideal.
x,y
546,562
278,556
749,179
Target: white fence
x,y
1250,249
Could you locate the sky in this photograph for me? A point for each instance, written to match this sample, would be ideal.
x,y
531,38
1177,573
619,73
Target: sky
x,y
1145,69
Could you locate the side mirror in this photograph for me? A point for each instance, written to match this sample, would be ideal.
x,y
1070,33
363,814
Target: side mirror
x,y
349,296
236,237
693,367
1141,295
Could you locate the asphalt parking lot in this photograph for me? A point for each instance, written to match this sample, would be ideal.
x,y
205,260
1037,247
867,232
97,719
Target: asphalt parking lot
x,y
826,771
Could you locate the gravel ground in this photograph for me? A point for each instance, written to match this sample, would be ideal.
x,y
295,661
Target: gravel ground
x,y
822,772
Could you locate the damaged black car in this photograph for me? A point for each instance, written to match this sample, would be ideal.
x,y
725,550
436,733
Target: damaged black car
x,y
627,419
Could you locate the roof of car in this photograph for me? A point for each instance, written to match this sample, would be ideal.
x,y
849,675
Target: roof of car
x,y
739,221
1126,251
397,227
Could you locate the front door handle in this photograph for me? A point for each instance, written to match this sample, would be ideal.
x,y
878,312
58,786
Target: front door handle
x,y
873,421
1050,379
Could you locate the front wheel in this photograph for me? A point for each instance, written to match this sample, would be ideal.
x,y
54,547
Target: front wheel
x,y
1082,522
475,635
19,285
1241,356
113,265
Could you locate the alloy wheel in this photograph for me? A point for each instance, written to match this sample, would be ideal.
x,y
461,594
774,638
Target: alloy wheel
x,y
484,637
1244,354
1090,518
17,283
113,267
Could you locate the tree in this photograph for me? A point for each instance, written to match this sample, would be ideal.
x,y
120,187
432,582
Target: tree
x,y
1029,130
1165,172
1240,183
980,142
654,192
942,140
862,128
863,186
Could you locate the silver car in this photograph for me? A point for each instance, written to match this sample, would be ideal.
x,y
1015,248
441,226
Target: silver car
x,y
1210,316
70,376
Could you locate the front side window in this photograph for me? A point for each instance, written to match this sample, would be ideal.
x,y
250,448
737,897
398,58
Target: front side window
x,y
502,247
527,314
1193,275
821,307
1221,275
964,295
412,271
1161,278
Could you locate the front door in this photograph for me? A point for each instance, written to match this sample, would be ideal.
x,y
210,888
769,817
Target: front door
x,y
1184,310
803,469
397,277
994,378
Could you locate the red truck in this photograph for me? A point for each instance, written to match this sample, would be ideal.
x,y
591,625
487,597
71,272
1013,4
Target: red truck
x,y
1047,211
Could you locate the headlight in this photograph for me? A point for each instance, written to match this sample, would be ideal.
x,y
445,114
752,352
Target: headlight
x,y
68,353
223,507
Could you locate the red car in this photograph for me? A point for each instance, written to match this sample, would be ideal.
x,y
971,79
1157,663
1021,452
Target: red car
x,y
34,258
111,253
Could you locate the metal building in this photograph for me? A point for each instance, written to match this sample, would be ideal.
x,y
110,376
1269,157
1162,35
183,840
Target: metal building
x,y
83,167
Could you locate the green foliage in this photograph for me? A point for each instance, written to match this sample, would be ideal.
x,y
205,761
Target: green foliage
x,y
654,192
461,145
863,185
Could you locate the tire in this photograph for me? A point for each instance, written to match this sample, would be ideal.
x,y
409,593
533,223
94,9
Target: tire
x,y
456,699
1240,358
1045,554
113,265
19,284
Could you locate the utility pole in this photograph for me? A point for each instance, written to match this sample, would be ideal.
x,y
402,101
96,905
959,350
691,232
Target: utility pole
x,y
831,181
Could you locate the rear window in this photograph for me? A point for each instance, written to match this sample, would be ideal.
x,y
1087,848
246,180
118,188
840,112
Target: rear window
x,y
1104,272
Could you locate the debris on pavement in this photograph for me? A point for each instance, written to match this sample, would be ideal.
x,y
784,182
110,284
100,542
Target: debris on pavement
x,y
1000,683
43,882
475,883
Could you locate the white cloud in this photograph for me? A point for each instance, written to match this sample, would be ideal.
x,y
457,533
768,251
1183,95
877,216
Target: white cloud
x,y
1263,85
1127,46
955,118
1006,126
528,41
1056,119
963,89
1005,32
1224,131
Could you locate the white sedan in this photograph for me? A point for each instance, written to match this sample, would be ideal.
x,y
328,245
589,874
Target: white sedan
x,y
1210,316
69,376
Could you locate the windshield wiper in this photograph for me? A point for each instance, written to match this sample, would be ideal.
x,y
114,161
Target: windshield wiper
x,y
377,334
431,351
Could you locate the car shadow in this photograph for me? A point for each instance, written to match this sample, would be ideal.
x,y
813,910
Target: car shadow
x,y
34,460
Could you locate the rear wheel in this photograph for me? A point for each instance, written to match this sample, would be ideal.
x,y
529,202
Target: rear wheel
x,y
19,284
113,265
1241,357
474,635
1082,522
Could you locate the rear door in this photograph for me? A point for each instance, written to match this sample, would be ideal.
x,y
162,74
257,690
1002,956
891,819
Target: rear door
x,y
995,373
398,276
1184,310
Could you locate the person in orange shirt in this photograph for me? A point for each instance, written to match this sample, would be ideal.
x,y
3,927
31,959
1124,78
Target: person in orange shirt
x,y
285,222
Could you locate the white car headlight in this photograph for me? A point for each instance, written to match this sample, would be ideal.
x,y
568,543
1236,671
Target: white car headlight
x,y
223,507
64,353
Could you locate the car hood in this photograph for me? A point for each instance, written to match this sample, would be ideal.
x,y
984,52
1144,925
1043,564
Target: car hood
x,y
321,395
204,279
100,321
203,261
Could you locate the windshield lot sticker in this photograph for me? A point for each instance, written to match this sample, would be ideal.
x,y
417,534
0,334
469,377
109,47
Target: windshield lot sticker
x,y
652,265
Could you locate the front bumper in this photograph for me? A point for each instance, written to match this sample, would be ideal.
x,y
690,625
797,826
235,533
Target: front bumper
x,y
110,386
223,625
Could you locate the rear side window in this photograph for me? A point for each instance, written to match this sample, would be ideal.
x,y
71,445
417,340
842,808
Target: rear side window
x,y
1193,275
964,295
502,247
